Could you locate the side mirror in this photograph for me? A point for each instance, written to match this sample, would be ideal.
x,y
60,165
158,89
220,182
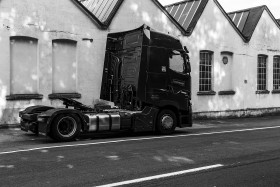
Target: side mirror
x,y
189,69
186,49
187,64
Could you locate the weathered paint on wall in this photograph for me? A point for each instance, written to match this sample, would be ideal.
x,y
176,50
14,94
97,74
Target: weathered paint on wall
x,y
49,20
134,13
265,40
213,32
46,21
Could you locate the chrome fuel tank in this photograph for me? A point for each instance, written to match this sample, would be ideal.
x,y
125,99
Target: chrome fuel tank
x,y
103,122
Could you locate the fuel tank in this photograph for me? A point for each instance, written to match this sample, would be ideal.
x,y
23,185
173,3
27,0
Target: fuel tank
x,y
104,122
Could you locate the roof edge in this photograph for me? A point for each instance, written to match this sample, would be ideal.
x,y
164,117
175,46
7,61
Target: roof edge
x,y
198,16
246,9
89,14
272,16
263,8
187,31
179,2
113,13
231,22
102,25
183,31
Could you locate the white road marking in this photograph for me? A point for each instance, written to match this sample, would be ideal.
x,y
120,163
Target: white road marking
x,y
139,139
162,176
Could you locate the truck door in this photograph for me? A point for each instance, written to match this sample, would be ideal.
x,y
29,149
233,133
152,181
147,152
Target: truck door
x,y
178,76
110,89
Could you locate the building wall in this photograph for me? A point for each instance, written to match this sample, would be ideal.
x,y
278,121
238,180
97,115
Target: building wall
x,y
213,32
134,13
57,28
60,27
266,41
47,21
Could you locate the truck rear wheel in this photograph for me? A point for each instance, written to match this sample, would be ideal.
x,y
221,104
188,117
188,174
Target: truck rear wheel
x,y
166,122
65,127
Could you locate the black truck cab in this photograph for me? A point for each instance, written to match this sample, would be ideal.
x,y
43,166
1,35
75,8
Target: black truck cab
x,y
144,67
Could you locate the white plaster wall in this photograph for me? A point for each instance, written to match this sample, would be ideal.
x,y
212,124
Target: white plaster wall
x,y
214,32
265,40
226,69
47,20
134,13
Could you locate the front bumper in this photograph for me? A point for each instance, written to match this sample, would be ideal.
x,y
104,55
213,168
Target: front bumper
x,y
29,126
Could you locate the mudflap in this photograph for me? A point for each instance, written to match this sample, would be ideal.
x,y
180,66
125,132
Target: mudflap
x,y
145,121
187,119
42,128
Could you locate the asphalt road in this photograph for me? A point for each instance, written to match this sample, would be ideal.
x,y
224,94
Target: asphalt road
x,y
235,152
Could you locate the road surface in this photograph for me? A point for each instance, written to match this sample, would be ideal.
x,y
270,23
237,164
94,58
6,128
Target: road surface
x,y
233,152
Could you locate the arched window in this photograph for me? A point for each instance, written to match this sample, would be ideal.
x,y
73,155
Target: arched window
x,y
24,65
64,66
226,67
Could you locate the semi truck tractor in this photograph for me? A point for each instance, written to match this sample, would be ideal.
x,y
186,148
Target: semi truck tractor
x,y
146,77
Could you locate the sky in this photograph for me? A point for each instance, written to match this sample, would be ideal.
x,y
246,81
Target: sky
x,y
232,5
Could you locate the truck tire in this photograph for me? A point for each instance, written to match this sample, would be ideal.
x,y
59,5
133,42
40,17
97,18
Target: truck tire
x,y
65,127
166,122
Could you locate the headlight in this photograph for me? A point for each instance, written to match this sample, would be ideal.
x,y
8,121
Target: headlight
x,y
42,118
20,114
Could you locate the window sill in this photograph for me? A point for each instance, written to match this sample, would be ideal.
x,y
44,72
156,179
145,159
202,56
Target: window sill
x,y
262,92
67,95
15,97
206,93
275,91
226,92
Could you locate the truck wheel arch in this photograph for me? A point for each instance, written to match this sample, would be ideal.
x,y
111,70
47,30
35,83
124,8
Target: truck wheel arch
x,y
54,115
65,127
173,109
166,121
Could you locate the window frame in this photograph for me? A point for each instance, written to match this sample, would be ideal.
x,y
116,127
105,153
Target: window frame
x,y
27,96
262,74
276,74
58,94
206,73
182,59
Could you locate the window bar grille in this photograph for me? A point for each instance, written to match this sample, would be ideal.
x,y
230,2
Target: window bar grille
x,y
261,83
205,71
276,73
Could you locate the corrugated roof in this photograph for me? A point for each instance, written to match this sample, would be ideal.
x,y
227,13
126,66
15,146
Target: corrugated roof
x,y
102,11
247,20
100,8
187,13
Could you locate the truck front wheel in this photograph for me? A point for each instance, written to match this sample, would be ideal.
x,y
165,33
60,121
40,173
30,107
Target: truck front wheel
x,y
166,122
65,127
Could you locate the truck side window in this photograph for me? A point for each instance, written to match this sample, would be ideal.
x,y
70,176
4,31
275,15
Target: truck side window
x,y
176,62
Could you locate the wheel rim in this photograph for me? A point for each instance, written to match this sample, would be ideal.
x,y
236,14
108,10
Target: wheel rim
x,y
167,121
67,126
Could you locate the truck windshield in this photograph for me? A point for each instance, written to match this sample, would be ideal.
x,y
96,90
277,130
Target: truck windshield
x,y
177,62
